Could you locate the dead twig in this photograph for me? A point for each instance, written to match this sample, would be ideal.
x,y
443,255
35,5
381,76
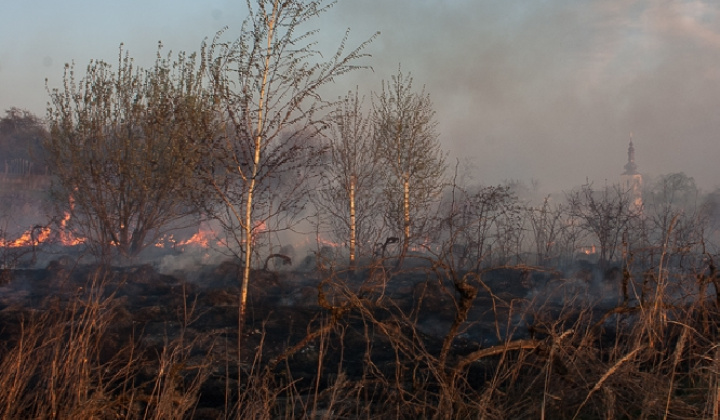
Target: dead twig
x,y
605,377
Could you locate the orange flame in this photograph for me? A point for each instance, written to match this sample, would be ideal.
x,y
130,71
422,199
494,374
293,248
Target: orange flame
x,y
325,242
589,250
66,237
167,241
203,238
28,238
38,235
200,239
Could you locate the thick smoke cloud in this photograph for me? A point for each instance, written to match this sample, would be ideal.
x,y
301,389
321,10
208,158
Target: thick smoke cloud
x,y
552,90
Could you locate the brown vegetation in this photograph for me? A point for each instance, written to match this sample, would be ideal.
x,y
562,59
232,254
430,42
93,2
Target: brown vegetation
x,y
428,342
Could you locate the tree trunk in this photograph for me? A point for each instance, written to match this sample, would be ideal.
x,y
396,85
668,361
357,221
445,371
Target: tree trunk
x,y
406,220
353,181
248,219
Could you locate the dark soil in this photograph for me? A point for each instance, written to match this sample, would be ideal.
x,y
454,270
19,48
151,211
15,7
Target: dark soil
x,y
304,328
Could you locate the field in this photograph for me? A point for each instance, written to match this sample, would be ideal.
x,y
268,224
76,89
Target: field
x,y
92,341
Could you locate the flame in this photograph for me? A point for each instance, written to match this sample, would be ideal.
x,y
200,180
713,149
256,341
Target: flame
x,y
167,241
44,234
202,239
589,250
28,238
426,245
66,237
206,236
324,242
260,227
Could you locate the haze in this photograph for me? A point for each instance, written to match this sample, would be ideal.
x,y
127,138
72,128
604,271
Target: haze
x,y
523,90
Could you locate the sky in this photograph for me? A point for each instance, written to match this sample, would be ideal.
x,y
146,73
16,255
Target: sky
x,y
545,90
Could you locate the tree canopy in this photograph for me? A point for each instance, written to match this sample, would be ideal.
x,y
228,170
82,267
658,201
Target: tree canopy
x,y
125,145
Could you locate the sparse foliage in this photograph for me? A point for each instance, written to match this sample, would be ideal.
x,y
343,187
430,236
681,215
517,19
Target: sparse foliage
x,y
605,213
474,220
351,183
412,159
267,85
674,196
125,146
546,225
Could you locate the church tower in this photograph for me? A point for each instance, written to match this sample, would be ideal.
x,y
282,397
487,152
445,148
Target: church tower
x,y
631,180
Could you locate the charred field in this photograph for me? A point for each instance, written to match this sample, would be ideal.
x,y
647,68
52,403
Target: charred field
x,y
93,341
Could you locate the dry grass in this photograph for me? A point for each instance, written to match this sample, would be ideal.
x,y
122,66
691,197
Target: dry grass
x,y
366,355
58,365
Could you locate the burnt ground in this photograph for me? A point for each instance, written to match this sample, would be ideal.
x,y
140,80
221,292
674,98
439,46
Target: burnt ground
x,y
302,328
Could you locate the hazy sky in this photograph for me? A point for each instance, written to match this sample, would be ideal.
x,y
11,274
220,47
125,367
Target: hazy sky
x,y
524,89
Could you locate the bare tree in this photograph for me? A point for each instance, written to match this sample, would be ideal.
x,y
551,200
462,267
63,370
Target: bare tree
x,y
267,88
471,217
572,234
349,188
125,146
670,196
605,213
509,236
413,160
546,225
710,210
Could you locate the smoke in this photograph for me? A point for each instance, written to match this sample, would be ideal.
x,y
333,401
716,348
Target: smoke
x,y
552,90
547,90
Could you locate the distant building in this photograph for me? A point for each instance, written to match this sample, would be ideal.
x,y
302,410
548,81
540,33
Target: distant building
x,y
631,180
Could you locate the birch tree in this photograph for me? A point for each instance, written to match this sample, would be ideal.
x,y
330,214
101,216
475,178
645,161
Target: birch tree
x,y
413,160
348,194
267,86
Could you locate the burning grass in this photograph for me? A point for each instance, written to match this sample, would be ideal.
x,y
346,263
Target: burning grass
x,y
428,342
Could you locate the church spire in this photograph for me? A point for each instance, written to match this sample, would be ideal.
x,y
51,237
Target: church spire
x,y
631,180
630,166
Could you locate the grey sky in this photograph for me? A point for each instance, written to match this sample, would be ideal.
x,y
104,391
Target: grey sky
x,y
543,89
